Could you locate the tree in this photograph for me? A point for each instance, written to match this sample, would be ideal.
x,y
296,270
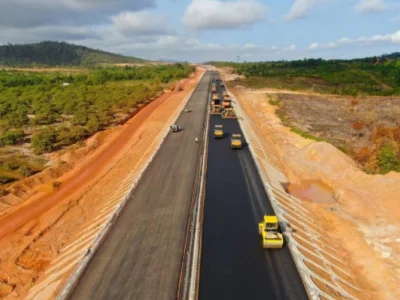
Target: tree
x,y
80,116
43,141
17,118
93,125
11,137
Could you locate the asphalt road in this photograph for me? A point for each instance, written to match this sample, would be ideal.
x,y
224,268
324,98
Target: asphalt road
x,y
233,263
141,256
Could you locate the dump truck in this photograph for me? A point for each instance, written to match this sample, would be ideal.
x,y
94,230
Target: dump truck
x,y
268,229
175,128
218,131
236,141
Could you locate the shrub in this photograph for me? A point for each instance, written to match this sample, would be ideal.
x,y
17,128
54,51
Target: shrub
x,y
388,159
7,166
274,102
11,137
24,171
93,125
67,136
43,141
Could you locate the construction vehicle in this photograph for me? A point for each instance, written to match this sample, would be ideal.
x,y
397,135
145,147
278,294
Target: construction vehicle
x,y
214,88
175,128
236,141
216,105
228,113
218,131
227,103
268,229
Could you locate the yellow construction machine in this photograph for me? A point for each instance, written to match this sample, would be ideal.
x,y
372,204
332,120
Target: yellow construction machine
x,y
218,131
269,232
236,141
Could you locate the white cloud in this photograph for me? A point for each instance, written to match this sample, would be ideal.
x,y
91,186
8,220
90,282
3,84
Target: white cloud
x,y
344,41
364,41
215,14
300,9
290,48
370,6
141,23
315,46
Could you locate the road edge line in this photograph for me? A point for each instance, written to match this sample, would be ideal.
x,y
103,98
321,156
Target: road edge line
x,y
84,263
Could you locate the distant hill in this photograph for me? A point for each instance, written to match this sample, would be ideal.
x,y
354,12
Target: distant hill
x,y
50,53
167,60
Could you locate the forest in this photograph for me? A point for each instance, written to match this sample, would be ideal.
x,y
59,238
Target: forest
x,y
60,109
49,53
378,76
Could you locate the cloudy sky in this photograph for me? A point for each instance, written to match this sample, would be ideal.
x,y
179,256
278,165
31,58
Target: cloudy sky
x,y
201,30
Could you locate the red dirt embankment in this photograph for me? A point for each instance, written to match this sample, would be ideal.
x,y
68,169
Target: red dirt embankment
x,y
36,229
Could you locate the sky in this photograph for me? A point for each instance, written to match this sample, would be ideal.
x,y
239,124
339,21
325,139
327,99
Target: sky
x,y
204,30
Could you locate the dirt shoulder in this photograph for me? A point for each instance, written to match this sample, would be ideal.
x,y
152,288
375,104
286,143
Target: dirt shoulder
x,y
36,230
362,226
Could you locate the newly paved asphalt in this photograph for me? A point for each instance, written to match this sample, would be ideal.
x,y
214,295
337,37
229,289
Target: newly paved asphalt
x,y
141,256
233,264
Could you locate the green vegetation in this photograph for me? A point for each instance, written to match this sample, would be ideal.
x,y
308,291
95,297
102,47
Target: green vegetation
x,y
306,135
275,102
58,54
52,110
388,158
15,166
368,76
67,114
11,137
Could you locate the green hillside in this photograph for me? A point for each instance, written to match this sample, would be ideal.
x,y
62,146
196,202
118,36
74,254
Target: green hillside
x,y
58,54
379,75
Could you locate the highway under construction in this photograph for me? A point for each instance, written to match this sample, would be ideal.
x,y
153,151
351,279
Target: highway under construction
x,y
151,246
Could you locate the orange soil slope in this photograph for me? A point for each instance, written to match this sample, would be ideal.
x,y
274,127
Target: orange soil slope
x,y
39,246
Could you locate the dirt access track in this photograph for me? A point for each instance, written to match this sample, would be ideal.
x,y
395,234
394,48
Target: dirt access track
x,y
349,249
42,237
